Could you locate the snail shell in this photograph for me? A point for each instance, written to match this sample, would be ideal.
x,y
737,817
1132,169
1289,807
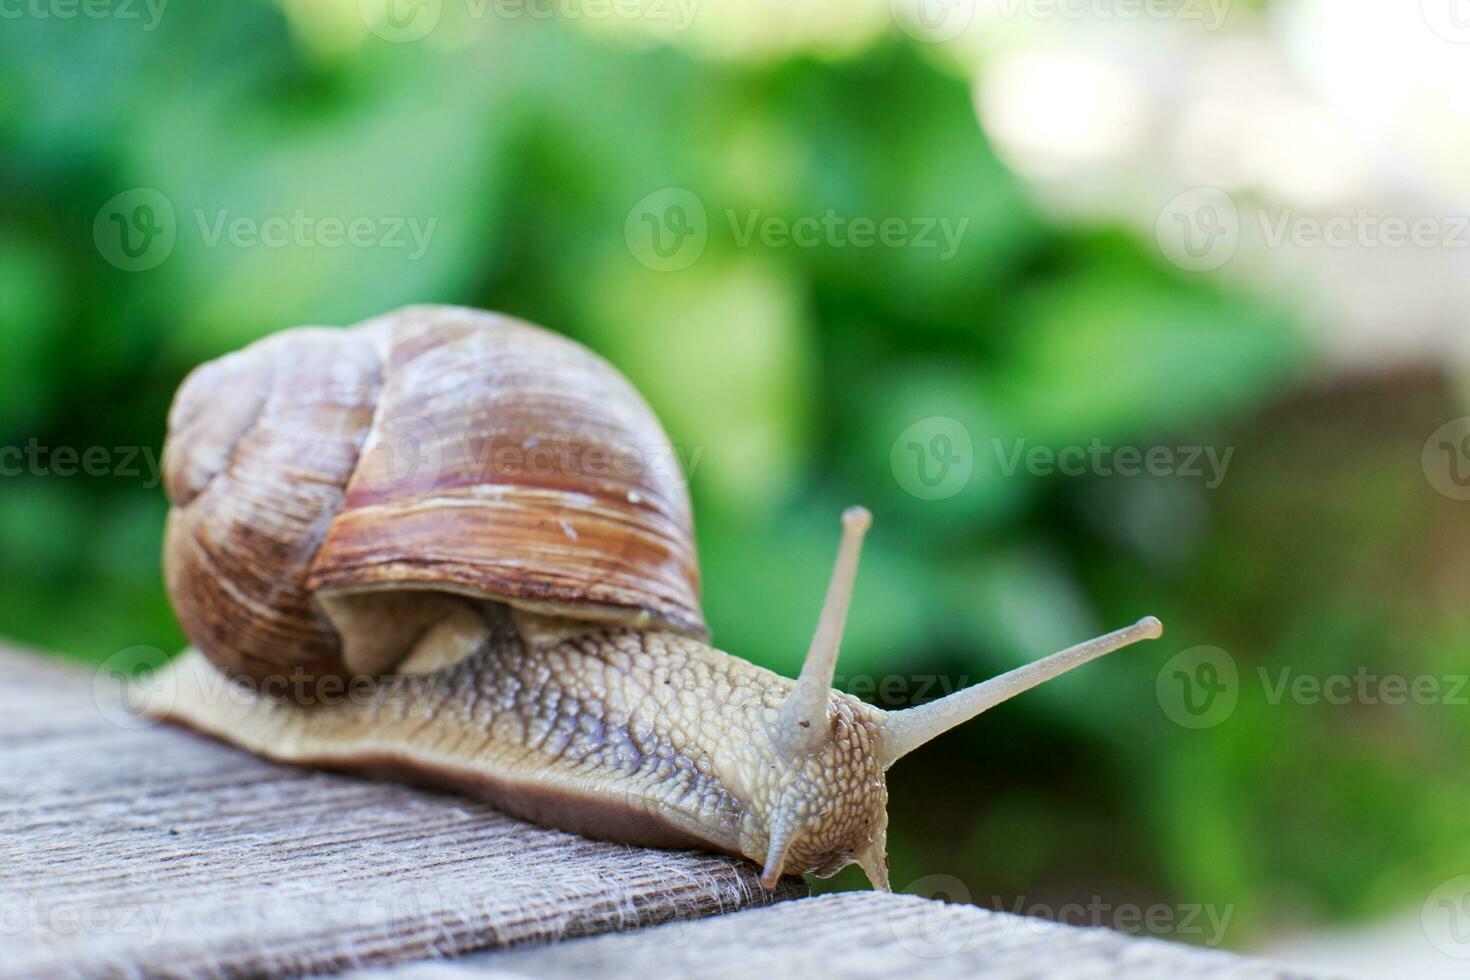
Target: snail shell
x,y
338,493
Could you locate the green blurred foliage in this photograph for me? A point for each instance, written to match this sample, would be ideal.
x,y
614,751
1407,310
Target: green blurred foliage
x,y
785,374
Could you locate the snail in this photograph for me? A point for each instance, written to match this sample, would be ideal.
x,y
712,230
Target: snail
x,y
478,528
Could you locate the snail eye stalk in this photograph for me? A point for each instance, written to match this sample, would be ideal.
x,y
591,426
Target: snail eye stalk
x,y
904,731
803,722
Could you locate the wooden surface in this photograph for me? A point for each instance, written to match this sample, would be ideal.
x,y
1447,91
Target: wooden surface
x,y
136,850
855,935
148,850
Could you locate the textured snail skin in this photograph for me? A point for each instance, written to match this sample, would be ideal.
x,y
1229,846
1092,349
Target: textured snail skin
x,y
639,736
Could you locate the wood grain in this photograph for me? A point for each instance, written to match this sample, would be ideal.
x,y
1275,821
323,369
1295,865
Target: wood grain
x,y
858,935
133,850
148,851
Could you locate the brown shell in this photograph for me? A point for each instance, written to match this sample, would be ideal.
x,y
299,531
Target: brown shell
x,y
433,449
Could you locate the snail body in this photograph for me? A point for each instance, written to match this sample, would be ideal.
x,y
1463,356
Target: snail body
x,y
645,737
527,635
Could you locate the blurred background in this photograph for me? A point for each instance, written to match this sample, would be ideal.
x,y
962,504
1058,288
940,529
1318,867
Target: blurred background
x,y
1103,307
